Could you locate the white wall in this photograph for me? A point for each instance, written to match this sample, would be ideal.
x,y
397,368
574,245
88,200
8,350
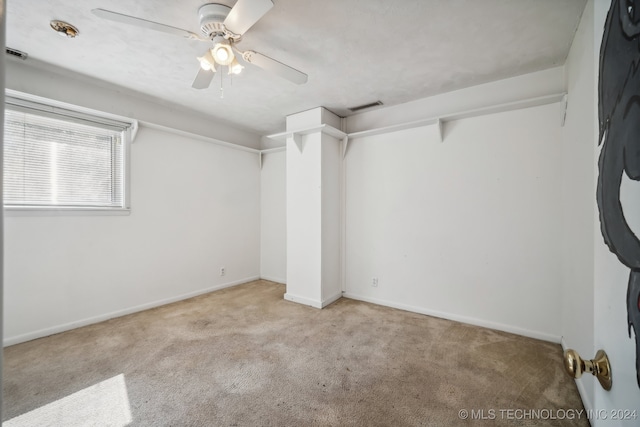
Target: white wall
x,y
466,229
331,159
314,164
273,217
304,220
46,80
578,198
527,86
195,207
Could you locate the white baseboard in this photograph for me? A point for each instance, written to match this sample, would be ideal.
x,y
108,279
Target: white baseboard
x,y
331,299
311,302
588,405
118,313
463,319
274,279
302,300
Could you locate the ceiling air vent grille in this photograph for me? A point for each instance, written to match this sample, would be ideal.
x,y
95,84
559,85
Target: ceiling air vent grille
x,y
365,106
17,53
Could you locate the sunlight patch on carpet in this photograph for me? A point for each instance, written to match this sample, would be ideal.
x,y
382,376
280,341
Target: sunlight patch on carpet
x,y
103,404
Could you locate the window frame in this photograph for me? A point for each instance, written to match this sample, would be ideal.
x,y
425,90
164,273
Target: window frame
x,y
60,110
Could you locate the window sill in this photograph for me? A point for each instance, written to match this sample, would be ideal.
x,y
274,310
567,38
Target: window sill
x,y
51,211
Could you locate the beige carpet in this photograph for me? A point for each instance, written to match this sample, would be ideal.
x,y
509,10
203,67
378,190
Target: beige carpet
x,y
244,356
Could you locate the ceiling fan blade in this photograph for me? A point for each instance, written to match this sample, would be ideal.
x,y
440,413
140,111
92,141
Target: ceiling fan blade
x,y
245,13
203,79
275,67
139,22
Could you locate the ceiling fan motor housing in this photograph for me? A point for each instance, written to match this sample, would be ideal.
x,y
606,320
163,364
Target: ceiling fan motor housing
x,y
212,16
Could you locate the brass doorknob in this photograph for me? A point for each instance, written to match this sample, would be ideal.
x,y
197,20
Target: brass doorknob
x,y
598,366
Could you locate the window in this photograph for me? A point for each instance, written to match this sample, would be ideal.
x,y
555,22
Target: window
x,y
64,159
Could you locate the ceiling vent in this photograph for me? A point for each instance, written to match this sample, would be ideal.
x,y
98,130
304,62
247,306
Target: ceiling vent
x,y
365,106
64,29
17,53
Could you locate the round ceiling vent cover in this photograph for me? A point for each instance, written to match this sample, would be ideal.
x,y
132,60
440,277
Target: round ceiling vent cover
x,y
64,29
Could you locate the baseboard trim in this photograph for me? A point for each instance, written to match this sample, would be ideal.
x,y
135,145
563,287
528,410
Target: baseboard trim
x,y
588,405
331,299
274,279
118,313
462,319
302,300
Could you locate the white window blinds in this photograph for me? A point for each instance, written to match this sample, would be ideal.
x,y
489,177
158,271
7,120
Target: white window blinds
x,y
59,158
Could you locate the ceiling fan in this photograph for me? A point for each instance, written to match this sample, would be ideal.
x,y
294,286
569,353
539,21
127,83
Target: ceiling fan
x,y
222,26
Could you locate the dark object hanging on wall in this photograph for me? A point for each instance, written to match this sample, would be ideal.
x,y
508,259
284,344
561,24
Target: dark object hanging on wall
x,y
619,118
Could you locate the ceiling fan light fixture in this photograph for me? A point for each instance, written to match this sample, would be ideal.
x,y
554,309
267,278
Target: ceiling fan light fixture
x,y
235,67
222,53
207,62
223,27
204,64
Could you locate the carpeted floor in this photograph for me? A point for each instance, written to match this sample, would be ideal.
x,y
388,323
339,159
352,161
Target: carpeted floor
x,y
244,356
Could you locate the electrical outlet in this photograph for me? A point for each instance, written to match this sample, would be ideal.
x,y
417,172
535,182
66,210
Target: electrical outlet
x,y
222,272
374,282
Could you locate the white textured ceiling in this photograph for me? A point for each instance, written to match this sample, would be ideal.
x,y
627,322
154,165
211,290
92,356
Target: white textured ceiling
x,y
354,51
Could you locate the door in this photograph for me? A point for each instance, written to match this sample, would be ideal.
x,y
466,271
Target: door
x,y
617,242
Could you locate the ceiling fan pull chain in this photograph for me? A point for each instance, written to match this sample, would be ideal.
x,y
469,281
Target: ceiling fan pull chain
x,y
221,88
